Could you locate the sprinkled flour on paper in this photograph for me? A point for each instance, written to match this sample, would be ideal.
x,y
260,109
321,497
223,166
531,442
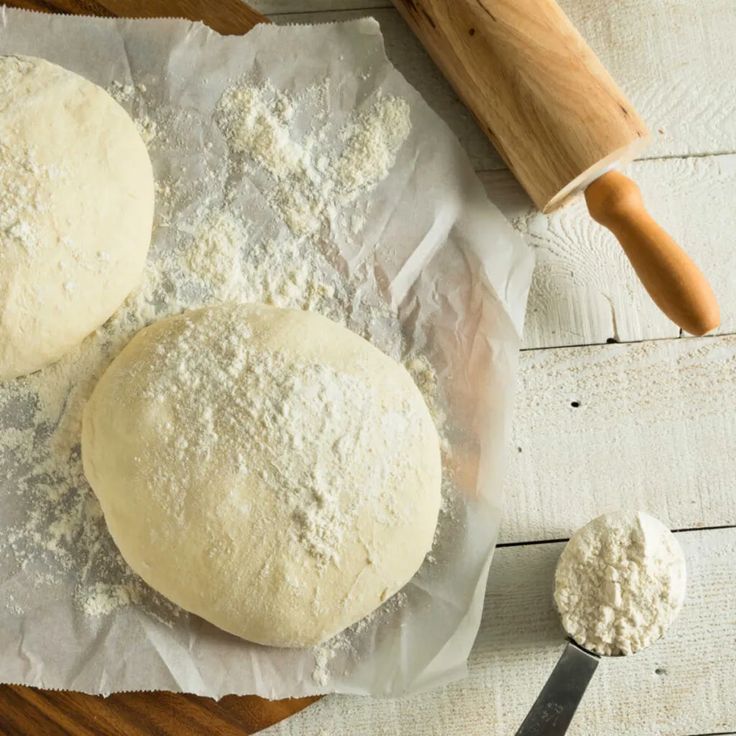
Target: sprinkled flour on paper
x,y
329,655
206,249
310,185
128,96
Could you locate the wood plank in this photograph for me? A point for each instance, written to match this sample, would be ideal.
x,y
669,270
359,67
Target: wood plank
x,y
224,16
649,425
26,711
681,81
272,7
584,291
681,685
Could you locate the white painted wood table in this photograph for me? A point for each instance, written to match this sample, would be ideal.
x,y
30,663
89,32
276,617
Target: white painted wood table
x,y
615,408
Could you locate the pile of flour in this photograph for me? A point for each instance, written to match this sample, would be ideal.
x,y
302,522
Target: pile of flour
x,y
620,583
205,250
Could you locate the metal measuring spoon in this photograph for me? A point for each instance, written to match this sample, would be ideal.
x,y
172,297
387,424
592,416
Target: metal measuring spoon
x,y
556,705
561,695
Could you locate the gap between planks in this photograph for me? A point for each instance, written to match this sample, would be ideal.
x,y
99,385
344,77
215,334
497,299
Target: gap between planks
x,y
504,545
664,157
584,290
647,425
610,342
680,686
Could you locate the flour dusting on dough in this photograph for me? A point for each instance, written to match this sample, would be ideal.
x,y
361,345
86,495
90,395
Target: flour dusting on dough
x,y
205,250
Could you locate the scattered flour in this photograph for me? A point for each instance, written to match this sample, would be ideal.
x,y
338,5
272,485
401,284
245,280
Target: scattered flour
x,y
224,264
130,97
104,598
310,185
372,141
620,583
322,657
22,179
208,247
329,657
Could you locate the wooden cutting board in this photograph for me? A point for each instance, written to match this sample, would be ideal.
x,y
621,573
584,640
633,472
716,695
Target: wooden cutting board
x,y
26,711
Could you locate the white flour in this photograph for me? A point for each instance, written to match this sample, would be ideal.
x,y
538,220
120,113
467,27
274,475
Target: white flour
x,y
205,250
620,583
329,656
308,184
337,441
128,96
22,180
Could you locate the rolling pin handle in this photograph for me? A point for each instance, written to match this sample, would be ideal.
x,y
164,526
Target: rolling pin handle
x,y
672,279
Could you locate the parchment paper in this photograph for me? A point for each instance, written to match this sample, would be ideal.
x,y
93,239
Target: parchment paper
x,y
448,262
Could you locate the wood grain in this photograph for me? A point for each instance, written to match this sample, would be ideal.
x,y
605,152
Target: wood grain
x,y
649,425
674,59
584,290
224,16
32,711
548,105
681,685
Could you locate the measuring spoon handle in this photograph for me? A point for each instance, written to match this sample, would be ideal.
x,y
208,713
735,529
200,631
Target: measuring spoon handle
x,y
556,705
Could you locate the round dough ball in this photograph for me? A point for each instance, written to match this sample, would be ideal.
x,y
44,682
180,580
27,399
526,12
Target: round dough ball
x,y
266,469
76,209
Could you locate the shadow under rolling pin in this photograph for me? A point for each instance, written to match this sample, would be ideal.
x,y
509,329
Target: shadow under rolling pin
x,y
562,126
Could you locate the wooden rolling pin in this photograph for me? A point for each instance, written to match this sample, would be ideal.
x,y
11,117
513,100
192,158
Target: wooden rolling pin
x,y
562,125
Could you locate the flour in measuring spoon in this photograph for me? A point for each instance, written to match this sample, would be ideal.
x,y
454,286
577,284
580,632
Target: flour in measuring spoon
x,y
620,583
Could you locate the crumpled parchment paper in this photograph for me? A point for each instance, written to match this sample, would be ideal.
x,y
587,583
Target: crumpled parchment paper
x,y
450,264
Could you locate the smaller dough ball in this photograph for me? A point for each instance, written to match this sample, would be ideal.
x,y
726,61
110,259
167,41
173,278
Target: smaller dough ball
x,y
266,469
76,209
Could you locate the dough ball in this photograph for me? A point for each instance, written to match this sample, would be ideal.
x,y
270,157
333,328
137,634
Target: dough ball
x,y
264,468
76,208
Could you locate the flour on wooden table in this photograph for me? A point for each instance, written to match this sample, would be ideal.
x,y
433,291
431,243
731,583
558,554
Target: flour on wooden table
x,y
205,250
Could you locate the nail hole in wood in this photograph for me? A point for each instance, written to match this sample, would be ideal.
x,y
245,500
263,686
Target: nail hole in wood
x,y
660,671
574,404
471,31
